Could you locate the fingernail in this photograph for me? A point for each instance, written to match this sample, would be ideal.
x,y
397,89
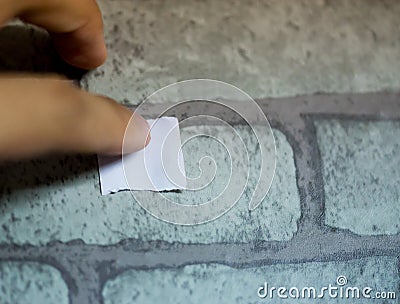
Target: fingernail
x,y
137,135
148,139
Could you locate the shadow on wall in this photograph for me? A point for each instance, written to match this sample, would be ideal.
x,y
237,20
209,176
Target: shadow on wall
x,y
48,172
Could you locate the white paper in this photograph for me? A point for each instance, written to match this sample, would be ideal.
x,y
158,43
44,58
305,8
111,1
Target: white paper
x,y
159,166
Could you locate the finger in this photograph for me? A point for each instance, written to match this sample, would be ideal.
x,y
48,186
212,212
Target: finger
x,y
51,115
75,25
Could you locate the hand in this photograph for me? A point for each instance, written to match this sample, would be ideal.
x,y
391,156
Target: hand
x,y
47,114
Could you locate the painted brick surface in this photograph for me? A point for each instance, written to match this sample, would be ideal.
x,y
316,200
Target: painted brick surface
x,y
267,48
271,48
361,164
29,282
215,283
60,200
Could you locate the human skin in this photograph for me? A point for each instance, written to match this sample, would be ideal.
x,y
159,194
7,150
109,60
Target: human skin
x,y
44,114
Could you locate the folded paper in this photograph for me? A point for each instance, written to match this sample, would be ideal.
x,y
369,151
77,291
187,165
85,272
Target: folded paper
x,y
158,167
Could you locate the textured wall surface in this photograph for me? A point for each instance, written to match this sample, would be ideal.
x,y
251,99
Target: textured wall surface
x,y
219,284
360,155
333,208
267,48
64,202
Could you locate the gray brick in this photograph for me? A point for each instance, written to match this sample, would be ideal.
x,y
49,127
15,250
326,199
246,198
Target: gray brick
x,y
30,282
361,163
216,283
69,205
268,48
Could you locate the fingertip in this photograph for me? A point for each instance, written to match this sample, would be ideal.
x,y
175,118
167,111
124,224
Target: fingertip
x,y
80,51
137,135
89,60
76,27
